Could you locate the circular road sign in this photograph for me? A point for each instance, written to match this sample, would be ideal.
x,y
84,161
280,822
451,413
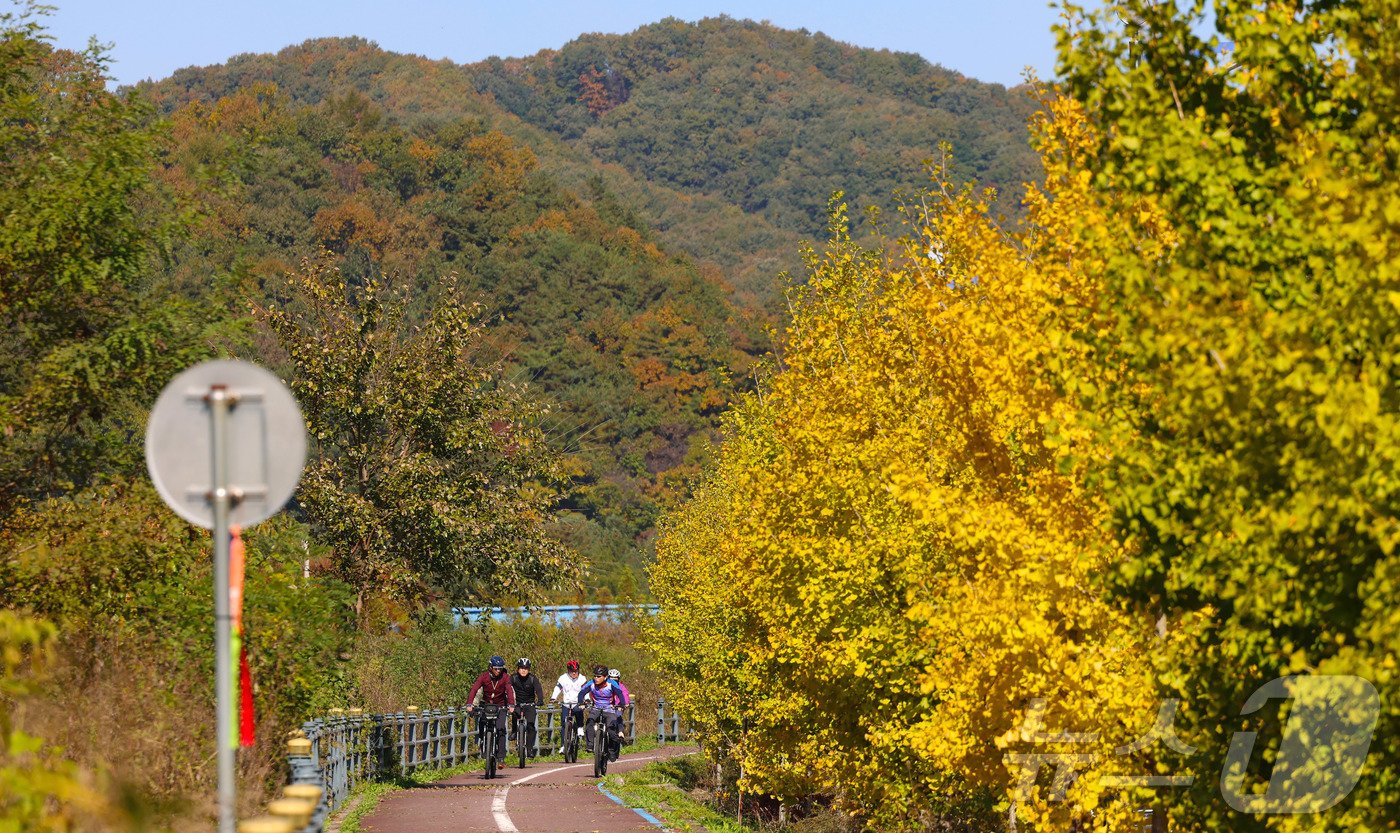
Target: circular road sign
x,y
265,438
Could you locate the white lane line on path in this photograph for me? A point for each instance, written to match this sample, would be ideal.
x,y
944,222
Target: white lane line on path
x,y
498,801
498,809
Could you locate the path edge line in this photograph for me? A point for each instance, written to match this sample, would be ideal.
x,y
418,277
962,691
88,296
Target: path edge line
x,y
639,811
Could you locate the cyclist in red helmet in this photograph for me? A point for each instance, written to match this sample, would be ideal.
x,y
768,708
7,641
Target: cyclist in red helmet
x,y
567,692
570,684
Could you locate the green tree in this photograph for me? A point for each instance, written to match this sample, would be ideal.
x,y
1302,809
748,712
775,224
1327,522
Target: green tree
x,y
75,156
633,347
88,339
430,475
1255,425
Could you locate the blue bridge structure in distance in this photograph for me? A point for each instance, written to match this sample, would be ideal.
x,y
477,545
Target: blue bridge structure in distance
x,y
562,614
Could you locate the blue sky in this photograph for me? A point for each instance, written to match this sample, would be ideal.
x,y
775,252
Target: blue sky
x,y
992,40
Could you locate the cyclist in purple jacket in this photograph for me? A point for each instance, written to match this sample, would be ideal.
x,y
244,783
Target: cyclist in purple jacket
x,y
616,676
607,697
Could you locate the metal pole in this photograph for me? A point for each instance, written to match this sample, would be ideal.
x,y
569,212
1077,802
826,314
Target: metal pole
x,y
219,403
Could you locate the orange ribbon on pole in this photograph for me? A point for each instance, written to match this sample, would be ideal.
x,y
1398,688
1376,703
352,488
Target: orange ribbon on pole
x,y
244,717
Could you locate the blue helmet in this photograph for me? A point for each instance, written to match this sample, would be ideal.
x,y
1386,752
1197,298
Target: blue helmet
x,y
498,662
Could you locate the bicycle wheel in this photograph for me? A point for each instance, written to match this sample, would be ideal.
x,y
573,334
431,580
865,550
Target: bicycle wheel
x,y
566,737
521,743
483,744
493,749
600,755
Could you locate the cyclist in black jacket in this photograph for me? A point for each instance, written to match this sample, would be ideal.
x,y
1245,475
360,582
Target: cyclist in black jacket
x,y
528,694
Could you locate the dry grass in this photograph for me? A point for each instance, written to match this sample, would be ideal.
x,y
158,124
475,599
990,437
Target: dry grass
x,y
141,723
143,729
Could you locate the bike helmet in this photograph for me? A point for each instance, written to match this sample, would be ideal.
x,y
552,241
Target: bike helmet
x,y
572,665
600,670
614,674
498,662
523,662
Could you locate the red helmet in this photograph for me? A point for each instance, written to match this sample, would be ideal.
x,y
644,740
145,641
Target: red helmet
x,y
573,665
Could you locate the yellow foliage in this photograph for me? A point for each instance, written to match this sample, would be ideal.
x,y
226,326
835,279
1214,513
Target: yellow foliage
x,y
894,554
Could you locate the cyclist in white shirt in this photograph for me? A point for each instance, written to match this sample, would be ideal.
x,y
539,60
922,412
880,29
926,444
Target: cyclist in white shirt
x,y
570,683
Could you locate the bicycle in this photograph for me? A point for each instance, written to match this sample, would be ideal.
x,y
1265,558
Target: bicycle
x,y
491,737
522,745
572,731
605,741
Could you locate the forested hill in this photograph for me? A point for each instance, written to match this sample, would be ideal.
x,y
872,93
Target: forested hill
x,y
414,91
727,136
623,207
631,346
770,119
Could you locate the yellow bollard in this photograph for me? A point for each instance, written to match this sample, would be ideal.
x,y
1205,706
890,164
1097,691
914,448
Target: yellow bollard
x,y
266,824
296,810
299,746
305,792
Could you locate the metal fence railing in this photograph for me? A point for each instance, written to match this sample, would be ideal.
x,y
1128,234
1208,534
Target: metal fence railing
x,y
669,726
333,754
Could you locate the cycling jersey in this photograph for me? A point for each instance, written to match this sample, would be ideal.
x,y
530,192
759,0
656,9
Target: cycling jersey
x,y
527,688
568,690
494,692
607,696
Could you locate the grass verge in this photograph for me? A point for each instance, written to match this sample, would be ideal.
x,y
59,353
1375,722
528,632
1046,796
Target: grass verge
x,y
662,789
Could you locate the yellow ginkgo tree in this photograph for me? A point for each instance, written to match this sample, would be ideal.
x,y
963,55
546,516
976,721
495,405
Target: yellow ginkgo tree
x,y
895,559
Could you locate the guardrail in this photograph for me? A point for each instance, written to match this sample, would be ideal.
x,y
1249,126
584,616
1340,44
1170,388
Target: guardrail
x,y
329,756
558,613
669,726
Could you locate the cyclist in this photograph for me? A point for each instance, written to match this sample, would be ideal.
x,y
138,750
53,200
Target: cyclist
x,y
607,697
494,689
616,676
529,694
567,691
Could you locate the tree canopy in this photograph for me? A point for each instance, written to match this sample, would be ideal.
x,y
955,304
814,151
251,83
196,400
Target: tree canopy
x,y
89,336
431,475
1131,463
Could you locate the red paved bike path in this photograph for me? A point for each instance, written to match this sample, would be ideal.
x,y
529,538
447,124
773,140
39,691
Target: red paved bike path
x,y
544,797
